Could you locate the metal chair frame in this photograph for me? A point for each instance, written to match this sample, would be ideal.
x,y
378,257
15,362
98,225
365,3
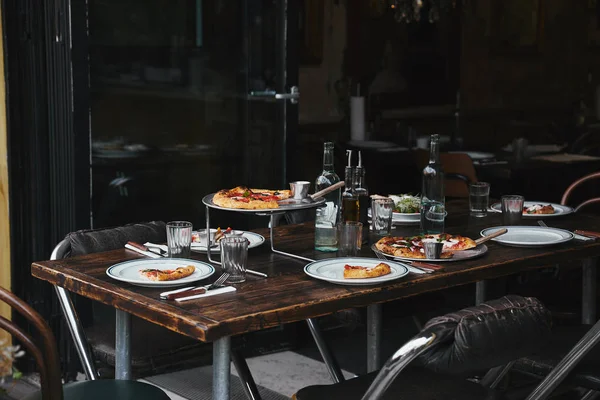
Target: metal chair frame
x,y
577,183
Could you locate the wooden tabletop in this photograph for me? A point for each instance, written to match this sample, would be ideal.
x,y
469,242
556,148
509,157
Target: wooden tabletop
x,y
288,294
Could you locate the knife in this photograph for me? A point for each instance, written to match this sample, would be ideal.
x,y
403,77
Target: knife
x,y
592,234
186,293
140,248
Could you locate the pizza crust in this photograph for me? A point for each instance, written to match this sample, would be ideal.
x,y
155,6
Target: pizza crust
x,y
358,272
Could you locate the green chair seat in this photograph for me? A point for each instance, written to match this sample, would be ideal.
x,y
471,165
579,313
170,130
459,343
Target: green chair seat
x,y
103,389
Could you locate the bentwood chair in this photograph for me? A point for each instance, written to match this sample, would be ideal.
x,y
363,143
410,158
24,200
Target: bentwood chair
x,y
97,342
449,349
45,353
577,184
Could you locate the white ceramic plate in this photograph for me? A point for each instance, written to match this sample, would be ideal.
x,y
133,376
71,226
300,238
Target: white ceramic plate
x,y
458,255
403,218
476,155
529,236
129,271
558,209
332,270
254,240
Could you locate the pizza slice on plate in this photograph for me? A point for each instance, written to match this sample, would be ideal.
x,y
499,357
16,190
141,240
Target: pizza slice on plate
x,y
358,272
168,274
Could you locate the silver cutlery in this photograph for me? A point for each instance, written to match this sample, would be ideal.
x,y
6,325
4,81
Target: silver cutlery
x,y
175,294
411,268
576,235
141,249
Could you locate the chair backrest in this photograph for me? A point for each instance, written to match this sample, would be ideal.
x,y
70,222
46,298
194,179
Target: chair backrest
x,y
458,170
44,350
576,184
476,338
106,239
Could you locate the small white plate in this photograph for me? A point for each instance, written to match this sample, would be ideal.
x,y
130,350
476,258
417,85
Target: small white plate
x,y
558,209
529,236
403,218
332,270
129,271
457,256
254,240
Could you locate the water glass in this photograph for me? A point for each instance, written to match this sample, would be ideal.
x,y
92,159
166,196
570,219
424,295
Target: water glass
x,y
433,216
234,256
512,209
179,239
349,238
479,198
381,215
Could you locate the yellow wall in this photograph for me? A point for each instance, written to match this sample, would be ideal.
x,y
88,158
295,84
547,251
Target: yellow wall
x,y
4,222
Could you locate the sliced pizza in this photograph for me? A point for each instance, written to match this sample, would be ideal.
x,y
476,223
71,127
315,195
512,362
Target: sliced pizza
x,y
242,197
358,272
539,209
412,247
167,274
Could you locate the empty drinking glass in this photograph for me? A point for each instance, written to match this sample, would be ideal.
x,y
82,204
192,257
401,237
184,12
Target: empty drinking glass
x,y
234,256
179,239
479,198
382,211
349,238
512,209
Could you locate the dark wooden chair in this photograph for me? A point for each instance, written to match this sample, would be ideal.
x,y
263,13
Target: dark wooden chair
x,y
458,168
45,353
449,349
577,184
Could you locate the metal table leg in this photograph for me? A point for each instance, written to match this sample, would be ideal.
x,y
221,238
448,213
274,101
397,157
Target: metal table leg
x,y
588,291
374,329
77,333
480,292
328,358
248,384
221,368
123,345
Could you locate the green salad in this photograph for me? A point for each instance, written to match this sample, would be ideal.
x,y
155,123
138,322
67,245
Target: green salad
x,y
405,203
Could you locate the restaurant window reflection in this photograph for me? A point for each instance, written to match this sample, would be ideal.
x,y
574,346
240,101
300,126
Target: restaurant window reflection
x,y
168,103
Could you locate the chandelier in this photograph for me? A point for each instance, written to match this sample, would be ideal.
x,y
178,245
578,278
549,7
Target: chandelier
x,y
415,10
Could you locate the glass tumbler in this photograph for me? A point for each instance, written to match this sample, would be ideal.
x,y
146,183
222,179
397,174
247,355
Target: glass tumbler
x,y
512,209
234,257
349,238
382,211
179,239
479,198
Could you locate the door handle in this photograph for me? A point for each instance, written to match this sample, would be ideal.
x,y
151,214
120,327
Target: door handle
x,y
293,96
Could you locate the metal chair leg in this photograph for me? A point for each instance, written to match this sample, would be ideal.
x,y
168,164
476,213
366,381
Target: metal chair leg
x,y
241,366
77,333
374,335
328,358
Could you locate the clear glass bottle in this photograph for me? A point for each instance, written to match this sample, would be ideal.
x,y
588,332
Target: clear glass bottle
x,y
328,215
360,187
350,209
433,210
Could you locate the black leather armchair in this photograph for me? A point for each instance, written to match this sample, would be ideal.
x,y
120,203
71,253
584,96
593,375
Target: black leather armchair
x,y
448,349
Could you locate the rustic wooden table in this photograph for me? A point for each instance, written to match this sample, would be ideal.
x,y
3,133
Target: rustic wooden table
x,y
288,295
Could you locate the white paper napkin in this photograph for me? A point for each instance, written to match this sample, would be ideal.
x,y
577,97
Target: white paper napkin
x,y
212,292
158,246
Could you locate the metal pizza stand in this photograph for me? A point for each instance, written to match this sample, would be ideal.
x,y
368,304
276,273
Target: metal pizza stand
x,y
313,201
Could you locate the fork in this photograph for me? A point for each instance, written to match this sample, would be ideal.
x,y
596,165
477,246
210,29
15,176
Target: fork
x,y
410,267
197,290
